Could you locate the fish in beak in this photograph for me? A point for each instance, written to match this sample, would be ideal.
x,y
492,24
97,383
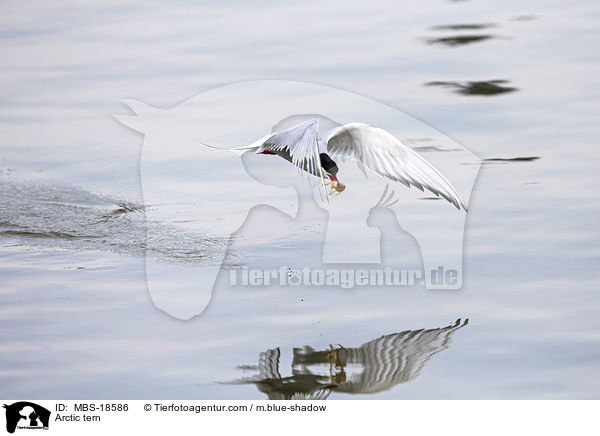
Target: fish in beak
x,y
331,170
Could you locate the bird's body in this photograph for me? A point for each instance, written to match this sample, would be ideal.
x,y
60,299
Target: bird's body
x,y
370,147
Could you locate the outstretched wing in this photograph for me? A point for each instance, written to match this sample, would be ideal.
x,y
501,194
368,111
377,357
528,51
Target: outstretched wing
x,y
298,145
387,156
394,359
300,142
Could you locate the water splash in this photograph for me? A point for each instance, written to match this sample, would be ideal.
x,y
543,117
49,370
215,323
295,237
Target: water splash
x,y
38,215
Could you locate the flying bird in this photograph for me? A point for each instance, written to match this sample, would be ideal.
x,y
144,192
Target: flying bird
x,y
369,146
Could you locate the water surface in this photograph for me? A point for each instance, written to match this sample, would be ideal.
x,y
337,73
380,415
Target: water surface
x,y
517,80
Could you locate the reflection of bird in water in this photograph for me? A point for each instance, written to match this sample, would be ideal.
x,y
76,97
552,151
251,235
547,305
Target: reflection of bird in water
x,y
371,147
300,385
374,367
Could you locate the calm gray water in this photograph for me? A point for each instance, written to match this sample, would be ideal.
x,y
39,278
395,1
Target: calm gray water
x,y
506,80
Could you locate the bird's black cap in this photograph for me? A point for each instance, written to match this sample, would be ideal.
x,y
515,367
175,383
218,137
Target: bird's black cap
x,y
328,164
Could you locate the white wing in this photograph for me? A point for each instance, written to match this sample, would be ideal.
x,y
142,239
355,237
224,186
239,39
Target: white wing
x,y
298,145
387,156
300,141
